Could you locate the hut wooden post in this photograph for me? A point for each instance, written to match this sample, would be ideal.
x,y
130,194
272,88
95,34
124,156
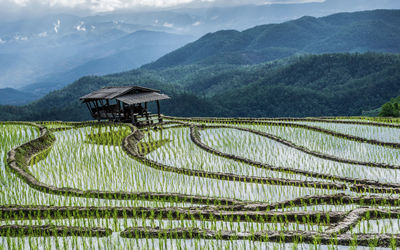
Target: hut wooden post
x,y
105,108
119,110
127,114
146,113
133,114
101,108
158,111
98,110
110,109
90,108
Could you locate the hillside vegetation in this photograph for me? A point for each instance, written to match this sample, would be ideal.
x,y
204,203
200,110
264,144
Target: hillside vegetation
x,y
314,85
74,56
271,70
391,108
344,32
15,97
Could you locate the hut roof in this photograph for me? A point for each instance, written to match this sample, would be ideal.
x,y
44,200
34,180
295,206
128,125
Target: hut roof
x,y
142,97
127,94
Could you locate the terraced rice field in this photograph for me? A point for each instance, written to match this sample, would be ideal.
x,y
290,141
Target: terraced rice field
x,y
201,183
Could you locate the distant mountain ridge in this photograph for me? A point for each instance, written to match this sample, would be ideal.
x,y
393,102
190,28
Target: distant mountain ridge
x,y
33,47
316,85
125,53
344,32
10,96
121,54
48,52
219,74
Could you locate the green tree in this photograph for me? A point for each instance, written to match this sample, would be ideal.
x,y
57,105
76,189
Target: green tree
x,y
388,110
396,108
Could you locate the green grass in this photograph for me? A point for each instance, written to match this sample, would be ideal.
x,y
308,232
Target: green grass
x,y
92,158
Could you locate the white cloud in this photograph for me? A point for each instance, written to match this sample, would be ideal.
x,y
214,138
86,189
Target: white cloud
x,y
57,25
99,5
111,5
80,27
20,38
168,25
2,41
43,34
22,2
196,23
293,1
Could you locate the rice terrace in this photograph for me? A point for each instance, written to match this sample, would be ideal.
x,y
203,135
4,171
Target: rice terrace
x,y
280,183
199,124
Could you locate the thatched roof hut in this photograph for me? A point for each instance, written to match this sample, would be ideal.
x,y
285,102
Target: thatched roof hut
x,y
124,103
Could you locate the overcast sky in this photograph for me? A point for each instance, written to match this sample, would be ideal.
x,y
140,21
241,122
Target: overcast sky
x,y
98,6
14,9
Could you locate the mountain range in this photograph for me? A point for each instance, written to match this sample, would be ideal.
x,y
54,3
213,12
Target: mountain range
x,y
341,64
49,67
41,49
125,53
345,32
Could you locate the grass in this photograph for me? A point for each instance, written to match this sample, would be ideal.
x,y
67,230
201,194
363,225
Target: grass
x,y
90,157
236,142
334,146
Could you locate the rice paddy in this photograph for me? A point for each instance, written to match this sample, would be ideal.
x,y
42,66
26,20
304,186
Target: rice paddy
x,y
201,183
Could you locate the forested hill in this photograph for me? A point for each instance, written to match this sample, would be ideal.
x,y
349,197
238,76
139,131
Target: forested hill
x,y
13,96
312,85
231,73
344,32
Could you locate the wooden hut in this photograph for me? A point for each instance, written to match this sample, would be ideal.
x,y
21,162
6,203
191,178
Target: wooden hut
x,y
124,104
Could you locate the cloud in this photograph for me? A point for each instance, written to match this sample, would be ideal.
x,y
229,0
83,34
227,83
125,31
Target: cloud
x,y
112,5
168,25
21,2
292,1
196,23
81,27
57,25
20,38
43,34
98,5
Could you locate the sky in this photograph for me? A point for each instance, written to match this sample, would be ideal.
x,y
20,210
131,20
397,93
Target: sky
x,y
17,9
98,6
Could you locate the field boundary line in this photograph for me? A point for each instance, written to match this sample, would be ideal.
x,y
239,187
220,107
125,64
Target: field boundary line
x,y
312,237
130,147
52,231
195,136
20,157
302,126
300,148
287,119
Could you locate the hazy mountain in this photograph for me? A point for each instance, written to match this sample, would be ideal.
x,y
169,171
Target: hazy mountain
x,y
43,49
109,56
211,75
329,84
15,97
345,32
36,48
247,16
125,53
